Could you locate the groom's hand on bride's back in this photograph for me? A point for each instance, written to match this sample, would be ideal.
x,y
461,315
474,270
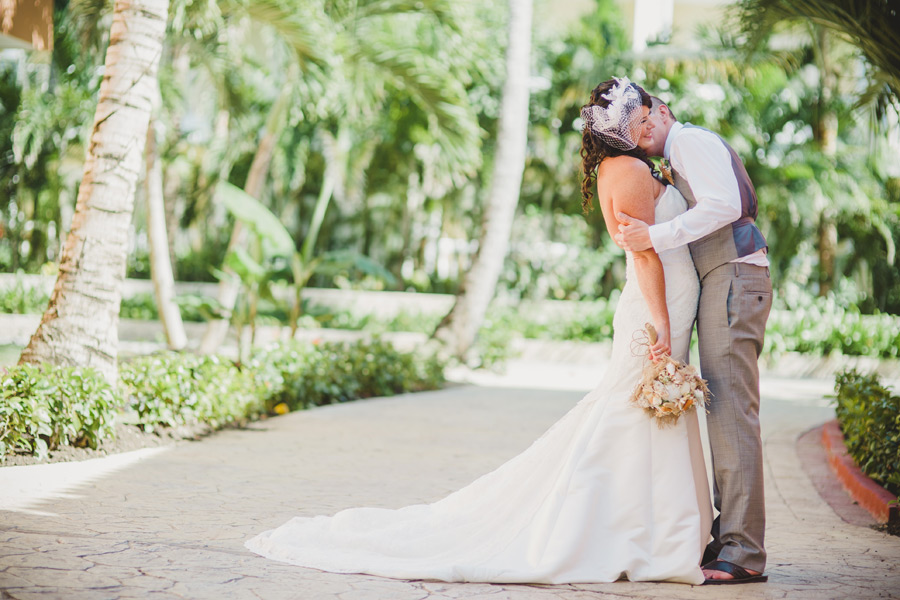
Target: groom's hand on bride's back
x,y
634,234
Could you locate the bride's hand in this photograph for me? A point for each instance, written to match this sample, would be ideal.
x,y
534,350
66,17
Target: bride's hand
x,y
663,345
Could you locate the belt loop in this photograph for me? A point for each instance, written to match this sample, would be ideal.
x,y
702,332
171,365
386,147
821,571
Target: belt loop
x,y
737,269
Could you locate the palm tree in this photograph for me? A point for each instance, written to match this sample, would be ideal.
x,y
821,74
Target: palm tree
x,y
460,326
305,41
869,25
229,286
194,25
374,58
160,260
79,326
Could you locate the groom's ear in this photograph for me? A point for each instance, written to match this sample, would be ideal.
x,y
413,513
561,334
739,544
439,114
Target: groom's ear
x,y
666,112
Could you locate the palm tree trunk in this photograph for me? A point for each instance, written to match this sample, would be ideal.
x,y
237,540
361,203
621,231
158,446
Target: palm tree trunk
x,y
460,327
160,263
80,324
230,287
825,130
173,178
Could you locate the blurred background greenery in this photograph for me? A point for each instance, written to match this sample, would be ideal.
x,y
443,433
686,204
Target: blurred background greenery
x,y
389,111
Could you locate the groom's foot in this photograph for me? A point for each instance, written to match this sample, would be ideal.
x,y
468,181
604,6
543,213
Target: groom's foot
x,y
721,572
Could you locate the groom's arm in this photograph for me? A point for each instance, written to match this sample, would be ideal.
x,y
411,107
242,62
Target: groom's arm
x,y
704,161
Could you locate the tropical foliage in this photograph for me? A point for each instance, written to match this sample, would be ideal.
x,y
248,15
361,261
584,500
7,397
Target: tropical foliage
x,y
367,129
42,408
869,25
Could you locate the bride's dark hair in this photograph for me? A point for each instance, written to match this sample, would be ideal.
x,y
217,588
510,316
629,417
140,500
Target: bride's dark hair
x,y
594,149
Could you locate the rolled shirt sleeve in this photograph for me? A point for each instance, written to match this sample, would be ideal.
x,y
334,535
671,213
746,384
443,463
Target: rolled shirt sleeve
x,y
713,183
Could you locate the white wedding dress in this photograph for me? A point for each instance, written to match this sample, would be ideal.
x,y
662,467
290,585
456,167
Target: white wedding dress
x,y
603,494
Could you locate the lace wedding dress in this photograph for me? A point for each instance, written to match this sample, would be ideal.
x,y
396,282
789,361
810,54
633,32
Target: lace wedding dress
x,y
603,494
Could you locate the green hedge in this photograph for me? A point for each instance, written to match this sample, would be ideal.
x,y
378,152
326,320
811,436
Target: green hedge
x,y
332,372
869,415
171,389
821,332
21,299
42,408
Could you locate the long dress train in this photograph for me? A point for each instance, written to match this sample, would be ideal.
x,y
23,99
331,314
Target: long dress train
x,y
603,494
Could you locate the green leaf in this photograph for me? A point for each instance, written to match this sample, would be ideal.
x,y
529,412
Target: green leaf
x,y
335,263
259,219
240,261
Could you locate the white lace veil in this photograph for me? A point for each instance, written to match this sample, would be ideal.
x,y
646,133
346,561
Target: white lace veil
x,y
619,123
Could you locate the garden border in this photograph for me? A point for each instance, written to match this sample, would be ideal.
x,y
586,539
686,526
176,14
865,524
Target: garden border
x,y
868,494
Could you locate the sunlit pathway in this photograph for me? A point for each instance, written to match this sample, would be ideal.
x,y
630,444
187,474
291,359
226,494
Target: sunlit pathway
x,y
170,523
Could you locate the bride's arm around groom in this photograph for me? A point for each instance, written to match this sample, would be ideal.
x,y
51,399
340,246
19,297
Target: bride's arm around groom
x,y
625,185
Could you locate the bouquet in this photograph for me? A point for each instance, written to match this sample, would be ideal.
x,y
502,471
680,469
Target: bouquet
x,y
668,388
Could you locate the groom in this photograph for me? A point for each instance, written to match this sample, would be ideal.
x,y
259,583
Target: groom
x,y
735,297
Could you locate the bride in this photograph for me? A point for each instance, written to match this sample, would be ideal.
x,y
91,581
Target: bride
x,y
604,493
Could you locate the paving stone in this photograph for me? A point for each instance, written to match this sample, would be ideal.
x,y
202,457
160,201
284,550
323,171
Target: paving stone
x,y
47,593
48,576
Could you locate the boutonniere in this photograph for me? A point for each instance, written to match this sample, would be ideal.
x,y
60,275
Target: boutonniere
x,y
666,171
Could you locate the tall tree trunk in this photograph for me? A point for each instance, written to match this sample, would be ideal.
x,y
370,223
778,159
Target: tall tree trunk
x,y
171,193
80,324
230,287
460,327
825,131
160,264
827,238
172,178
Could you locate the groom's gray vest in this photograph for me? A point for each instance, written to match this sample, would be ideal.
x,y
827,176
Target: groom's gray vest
x,y
740,239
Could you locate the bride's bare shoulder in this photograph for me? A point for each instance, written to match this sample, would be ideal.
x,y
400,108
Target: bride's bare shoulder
x,y
624,166
627,173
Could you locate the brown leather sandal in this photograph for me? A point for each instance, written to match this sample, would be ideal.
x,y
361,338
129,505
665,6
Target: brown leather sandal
x,y
740,574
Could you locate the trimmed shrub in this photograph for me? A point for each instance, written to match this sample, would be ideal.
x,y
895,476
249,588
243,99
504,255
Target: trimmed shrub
x,y
870,419
328,373
42,408
171,389
21,299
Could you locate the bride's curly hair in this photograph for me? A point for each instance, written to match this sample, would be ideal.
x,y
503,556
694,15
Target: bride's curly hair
x,y
594,149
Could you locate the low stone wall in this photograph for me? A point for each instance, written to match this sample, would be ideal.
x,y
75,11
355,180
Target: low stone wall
x,y
381,304
140,336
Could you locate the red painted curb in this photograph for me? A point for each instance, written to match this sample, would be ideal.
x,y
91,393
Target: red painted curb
x,y
866,492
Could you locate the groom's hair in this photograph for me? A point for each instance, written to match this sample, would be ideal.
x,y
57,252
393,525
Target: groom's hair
x,y
657,102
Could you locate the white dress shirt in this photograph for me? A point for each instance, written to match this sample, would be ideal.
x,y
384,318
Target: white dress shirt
x,y
711,177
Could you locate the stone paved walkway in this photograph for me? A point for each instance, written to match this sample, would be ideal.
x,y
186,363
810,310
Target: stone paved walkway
x,y
170,523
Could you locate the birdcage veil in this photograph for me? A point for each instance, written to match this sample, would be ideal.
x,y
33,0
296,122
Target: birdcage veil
x,y
619,123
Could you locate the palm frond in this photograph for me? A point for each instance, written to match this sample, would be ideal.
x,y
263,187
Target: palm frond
x,y
456,125
445,11
87,16
870,25
301,24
